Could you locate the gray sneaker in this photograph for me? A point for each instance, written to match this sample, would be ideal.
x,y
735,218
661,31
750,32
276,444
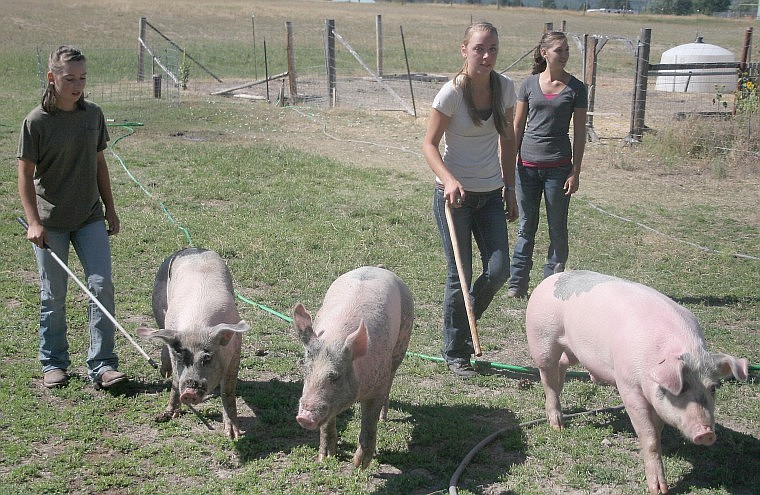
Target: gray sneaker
x,y
516,293
462,369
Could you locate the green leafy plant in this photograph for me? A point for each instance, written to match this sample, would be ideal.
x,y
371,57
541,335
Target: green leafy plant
x,y
184,71
746,96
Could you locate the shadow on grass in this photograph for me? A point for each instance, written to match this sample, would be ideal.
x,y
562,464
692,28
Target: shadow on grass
x,y
731,464
441,436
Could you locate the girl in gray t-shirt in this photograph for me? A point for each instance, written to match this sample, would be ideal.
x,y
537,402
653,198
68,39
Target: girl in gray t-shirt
x,y
65,189
548,162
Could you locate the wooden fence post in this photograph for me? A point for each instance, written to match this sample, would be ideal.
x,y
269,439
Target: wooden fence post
x,y
379,31
291,64
141,51
330,60
589,78
638,108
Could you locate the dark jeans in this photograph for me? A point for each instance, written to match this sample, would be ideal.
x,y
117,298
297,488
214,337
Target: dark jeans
x,y
531,183
482,217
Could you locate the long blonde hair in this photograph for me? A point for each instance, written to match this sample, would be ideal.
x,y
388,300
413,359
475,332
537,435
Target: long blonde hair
x,y
463,81
56,64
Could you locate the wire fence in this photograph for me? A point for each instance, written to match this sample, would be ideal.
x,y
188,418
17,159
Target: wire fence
x,y
373,71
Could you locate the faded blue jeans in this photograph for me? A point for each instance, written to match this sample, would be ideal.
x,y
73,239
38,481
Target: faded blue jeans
x,y
94,251
531,183
481,216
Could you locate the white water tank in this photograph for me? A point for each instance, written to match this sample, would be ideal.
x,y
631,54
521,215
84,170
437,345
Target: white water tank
x,y
709,80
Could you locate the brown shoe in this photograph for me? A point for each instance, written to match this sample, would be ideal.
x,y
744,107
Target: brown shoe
x,y
55,378
110,378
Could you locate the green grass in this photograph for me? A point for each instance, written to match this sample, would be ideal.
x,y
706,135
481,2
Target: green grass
x,y
290,209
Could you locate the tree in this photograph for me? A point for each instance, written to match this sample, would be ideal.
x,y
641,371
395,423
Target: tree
x,y
710,6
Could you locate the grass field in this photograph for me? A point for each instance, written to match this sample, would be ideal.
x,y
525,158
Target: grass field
x,y
292,197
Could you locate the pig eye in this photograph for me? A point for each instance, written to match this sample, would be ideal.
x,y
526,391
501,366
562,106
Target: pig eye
x,y
333,377
205,358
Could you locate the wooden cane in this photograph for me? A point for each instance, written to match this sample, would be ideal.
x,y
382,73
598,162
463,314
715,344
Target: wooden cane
x,y
463,283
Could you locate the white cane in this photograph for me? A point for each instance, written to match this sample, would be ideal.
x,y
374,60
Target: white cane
x,y
93,298
463,283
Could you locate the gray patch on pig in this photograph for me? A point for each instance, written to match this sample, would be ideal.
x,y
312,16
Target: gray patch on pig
x,y
577,282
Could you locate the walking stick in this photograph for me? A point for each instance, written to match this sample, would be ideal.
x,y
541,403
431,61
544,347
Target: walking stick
x,y
92,298
463,283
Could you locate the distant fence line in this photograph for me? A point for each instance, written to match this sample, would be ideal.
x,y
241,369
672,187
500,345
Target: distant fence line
x,y
618,108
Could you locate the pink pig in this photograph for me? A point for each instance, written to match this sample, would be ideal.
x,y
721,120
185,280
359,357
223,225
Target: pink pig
x,y
637,339
352,350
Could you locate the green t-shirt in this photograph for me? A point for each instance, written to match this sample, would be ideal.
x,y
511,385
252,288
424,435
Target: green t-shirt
x,y
64,148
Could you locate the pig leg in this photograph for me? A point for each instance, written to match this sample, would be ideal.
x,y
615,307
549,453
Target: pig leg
x,y
229,400
552,367
166,362
173,407
648,427
371,409
328,439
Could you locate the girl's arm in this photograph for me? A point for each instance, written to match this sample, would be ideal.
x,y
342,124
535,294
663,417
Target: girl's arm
x,y
437,124
579,146
36,232
104,186
508,157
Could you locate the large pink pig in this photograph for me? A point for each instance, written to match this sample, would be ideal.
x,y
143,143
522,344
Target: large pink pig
x,y
353,348
635,338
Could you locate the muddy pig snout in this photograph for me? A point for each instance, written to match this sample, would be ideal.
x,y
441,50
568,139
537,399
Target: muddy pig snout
x,y
706,436
192,392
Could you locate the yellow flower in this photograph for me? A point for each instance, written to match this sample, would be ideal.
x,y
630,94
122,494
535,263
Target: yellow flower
x,y
750,85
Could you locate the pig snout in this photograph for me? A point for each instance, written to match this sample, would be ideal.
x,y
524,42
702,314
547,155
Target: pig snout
x,y
309,416
307,420
705,436
192,392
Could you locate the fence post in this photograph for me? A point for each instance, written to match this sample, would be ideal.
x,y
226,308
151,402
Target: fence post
x,y
141,51
548,26
291,63
640,85
589,77
330,59
379,31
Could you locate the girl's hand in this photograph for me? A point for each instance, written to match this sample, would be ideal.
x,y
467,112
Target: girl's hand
x,y
113,222
453,193
37,235
571,184
510,205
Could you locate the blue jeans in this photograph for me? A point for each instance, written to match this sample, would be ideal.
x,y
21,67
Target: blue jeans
x,y
94,251
481,216
531,183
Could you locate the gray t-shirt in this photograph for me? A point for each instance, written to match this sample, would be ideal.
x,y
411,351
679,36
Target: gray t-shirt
x,y
64,147
546,138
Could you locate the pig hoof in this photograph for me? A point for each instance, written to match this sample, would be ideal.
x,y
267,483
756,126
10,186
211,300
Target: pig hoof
x,y
165,416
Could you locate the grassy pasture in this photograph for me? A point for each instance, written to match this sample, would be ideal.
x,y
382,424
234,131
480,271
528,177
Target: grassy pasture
x,y
292,197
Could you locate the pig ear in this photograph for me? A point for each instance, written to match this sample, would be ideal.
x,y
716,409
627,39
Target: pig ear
x,y
146,332
729,365
302,323
358,341
168,336
223,332
669,374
